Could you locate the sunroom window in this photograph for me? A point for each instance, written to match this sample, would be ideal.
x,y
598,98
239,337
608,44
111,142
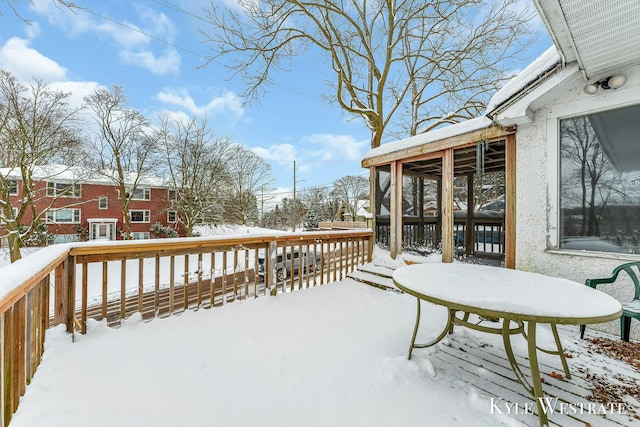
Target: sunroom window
x,y
600,181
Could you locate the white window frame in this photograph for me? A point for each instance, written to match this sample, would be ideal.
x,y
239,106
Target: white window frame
x,y
58,189
578,107
76,216
146,193
140,235
175,216
13,188
15,213
146,213
102,199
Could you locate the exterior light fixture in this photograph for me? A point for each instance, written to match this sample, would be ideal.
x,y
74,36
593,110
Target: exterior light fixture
x,y
612,82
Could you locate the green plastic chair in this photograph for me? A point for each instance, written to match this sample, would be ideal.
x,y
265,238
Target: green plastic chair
x,y
630,309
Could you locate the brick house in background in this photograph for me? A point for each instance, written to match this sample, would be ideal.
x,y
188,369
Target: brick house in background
x,y
88,206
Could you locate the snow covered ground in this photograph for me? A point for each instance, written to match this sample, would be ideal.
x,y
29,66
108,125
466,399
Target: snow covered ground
x,y
334,355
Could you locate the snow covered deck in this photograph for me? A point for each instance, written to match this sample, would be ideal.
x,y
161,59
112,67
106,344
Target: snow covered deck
x,y
331,355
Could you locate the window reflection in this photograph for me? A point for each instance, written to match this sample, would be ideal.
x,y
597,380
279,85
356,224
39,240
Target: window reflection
x,y
600,172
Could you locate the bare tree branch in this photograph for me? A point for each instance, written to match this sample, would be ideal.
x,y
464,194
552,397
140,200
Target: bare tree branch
x,y
435,61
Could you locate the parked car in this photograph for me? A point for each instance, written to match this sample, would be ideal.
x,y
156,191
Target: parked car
x,y
282,270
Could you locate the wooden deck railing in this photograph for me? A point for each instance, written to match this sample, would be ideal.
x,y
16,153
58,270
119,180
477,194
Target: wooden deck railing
x,y
488,234
156,278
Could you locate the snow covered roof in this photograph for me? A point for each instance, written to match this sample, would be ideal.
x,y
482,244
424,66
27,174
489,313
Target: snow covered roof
x,y
363,209
435,135
546,62
62,173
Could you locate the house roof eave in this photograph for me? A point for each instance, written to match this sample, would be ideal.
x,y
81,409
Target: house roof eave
x,y
457,135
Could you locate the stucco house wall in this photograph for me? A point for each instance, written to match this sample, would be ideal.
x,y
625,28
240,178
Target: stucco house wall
x,y
537,186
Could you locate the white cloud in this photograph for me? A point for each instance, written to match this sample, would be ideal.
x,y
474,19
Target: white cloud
x,y
32,30
180,98
280,152
166,64
27,64
228,103
335,147
133,41
78,91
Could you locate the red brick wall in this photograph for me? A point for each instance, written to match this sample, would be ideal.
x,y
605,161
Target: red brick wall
x,y
88,204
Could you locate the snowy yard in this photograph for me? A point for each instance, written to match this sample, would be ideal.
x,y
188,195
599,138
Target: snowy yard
x,y
333,355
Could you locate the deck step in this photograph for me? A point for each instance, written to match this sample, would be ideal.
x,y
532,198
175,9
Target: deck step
x,y
376,270
373,279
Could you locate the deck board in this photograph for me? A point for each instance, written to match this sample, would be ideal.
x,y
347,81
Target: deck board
x,y
478,360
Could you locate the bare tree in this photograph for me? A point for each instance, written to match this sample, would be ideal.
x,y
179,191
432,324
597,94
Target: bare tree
x,y
249,174
435,59
37,130
12,5
197,168
588,168
124,144
349,190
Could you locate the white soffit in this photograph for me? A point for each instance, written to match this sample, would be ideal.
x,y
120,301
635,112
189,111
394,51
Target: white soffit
x,y
603,36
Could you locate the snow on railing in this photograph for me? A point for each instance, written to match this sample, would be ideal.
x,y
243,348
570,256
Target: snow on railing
x,y
70,283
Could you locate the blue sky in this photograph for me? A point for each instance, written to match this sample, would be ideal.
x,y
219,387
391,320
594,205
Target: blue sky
x,y
153,51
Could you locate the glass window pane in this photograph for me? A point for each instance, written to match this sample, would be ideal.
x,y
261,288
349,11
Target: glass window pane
x,y
600,181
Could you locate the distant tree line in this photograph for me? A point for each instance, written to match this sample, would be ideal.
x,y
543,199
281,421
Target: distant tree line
x,y
342,200
212,178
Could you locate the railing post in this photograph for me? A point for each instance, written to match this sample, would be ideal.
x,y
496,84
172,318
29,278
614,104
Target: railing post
x,y
65,293
70,285
270,275
60,294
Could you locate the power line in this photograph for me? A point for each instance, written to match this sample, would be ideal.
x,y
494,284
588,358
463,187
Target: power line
x,y
184,49
137,30
179,9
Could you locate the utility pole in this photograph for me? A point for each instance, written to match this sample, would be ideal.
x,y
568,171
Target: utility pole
x,y
262,206
293,206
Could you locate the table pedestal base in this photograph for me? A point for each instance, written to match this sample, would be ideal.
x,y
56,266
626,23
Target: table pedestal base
x,y
533,388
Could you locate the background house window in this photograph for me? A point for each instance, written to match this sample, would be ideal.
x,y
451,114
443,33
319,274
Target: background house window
x,y
58,189
64,216
172,216
140,235
141,193
140,215
103,202
12,185
15,214
600,181
172,195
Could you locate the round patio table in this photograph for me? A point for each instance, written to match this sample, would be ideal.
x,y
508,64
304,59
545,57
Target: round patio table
x,y
513,296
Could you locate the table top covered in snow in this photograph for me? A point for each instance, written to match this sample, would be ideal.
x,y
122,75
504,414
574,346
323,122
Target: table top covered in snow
x,y
506,293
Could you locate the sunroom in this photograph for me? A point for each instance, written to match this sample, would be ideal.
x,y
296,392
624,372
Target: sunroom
x,y
449,190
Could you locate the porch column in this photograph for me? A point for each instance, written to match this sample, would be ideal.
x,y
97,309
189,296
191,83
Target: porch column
x,y
510,203
373,185
421,234
469,229
395,219
447,206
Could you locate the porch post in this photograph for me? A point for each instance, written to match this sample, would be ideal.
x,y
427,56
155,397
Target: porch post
x,y
510,202
447,206
373,185
469,228
395,219
421,233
